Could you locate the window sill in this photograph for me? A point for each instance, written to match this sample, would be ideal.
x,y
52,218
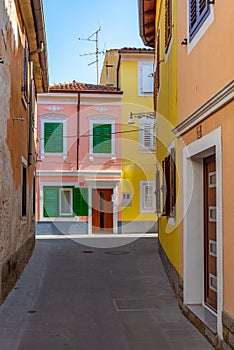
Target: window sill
x,y
150,211
147,151
43,155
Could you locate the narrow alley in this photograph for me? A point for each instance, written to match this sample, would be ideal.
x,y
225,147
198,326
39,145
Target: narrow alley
x,y
74,297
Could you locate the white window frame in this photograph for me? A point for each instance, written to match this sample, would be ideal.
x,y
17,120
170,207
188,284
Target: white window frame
x,y
42,148
60,201
142,198
141,64
142,123
111,155
209,20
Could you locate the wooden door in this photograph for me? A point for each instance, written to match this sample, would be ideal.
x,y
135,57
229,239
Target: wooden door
x,y
210,253
102,210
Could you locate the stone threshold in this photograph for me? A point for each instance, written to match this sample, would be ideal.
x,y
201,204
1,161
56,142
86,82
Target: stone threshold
x,y
205,315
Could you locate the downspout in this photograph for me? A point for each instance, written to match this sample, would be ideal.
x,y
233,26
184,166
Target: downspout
x,y
78,132
117,73
31,116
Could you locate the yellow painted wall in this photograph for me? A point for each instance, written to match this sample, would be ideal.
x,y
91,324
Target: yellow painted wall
x,y
167,110
136,166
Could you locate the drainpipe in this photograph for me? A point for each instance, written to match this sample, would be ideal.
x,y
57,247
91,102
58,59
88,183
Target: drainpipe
x,y
117,73
31,116
78,132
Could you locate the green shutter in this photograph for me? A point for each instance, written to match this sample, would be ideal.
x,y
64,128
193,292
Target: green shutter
x,y
102,138
80,201
53,137
51,202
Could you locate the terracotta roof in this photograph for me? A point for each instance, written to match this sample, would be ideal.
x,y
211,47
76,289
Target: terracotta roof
x,y
82,87
137,49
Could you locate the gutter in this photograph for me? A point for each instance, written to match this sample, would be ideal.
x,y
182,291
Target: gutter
x,y
37,9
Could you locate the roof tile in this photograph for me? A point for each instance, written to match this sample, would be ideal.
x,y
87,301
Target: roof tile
x,y
76,86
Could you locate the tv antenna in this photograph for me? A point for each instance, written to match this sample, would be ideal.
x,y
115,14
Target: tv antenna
x,y
97,52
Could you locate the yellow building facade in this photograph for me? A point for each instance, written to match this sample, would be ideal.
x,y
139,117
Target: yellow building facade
x,y
167,118
131,71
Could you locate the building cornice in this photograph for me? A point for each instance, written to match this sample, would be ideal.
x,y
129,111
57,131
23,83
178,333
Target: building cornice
x,y
69,173
222,97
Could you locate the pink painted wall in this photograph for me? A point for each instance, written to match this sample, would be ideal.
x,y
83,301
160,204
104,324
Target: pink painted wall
x,y
87,112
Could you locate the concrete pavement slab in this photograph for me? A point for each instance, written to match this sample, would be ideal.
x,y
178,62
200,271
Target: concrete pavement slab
x,y
76,297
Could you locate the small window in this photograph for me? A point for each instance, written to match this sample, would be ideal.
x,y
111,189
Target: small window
x,y
148,196
146,78
62,201
24,191
147,135
126,199
102,138
53,137
199,10
66,204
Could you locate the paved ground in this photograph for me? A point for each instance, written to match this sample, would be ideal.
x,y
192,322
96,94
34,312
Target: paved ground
x,y
75,300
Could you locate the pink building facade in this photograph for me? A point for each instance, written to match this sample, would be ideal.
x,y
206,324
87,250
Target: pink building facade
x,y
79,159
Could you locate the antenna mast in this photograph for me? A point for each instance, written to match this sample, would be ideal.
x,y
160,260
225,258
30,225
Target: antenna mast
x,y
97,52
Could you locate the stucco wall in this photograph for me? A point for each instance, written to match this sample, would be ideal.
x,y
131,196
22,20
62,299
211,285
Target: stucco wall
x,y
14,230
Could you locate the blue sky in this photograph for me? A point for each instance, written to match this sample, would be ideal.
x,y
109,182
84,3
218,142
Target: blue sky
x,y
66,21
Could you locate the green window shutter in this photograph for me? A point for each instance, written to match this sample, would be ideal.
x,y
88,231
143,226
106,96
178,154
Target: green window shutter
x,y
53,137
51,202
102,138
80,201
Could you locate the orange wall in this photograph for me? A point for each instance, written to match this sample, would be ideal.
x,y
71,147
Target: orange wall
x,y
224,119
209,66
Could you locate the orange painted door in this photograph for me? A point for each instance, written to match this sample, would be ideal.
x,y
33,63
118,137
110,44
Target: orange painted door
x,y
210,253
102,210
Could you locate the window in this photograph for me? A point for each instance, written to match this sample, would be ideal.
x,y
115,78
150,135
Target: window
x,y
199,10
65,207
146,79
168,23
53,137
24,191
126,199
158,192
102,138
64,201
169,184
25,86
147,196
147,135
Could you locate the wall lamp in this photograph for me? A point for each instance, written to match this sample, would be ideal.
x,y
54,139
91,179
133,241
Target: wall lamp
x,y
149,115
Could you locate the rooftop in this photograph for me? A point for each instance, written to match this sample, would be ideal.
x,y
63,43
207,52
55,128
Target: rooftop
x,y
82,87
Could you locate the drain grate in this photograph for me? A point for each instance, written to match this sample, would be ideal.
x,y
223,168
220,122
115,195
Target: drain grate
x,y
32,311
88,251
117,252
